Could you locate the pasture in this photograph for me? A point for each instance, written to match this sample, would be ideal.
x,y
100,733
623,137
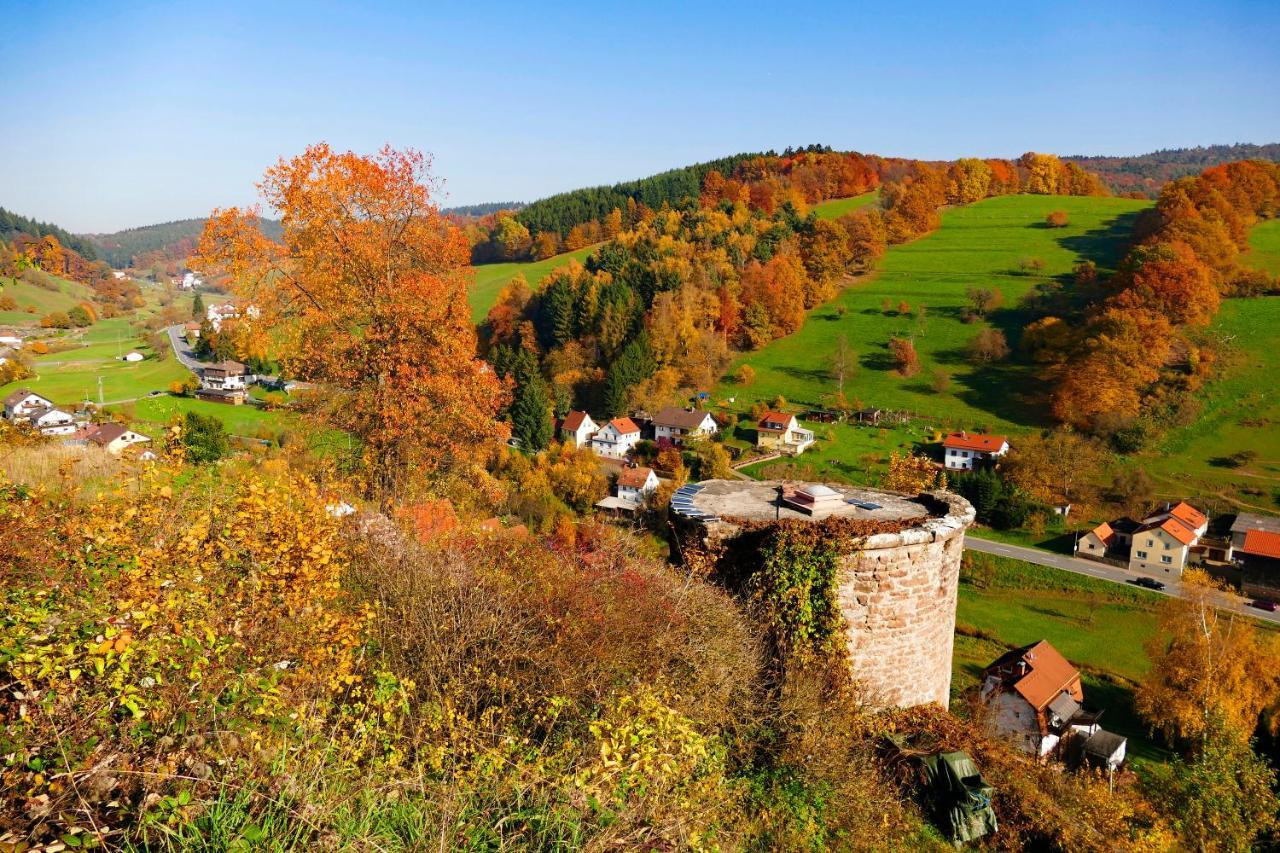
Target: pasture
x,y
67,295
980,245
835,208
491,278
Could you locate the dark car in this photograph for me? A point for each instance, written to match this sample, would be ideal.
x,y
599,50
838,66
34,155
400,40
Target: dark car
x,y
1149,583
1269,606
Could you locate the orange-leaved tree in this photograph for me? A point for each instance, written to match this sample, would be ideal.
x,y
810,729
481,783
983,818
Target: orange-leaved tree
x,y
365,294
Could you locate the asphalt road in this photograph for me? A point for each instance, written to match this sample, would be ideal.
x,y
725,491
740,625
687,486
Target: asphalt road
x,y
1101,571
182,350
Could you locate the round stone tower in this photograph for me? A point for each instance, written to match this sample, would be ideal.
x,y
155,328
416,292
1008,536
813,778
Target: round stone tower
x,y
899,567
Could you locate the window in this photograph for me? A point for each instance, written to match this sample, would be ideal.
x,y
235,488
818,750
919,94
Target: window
x,y
1142,555
1166,559
1151,543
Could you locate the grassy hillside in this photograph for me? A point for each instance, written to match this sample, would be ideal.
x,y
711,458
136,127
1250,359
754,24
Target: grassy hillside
x,y
490,278
838,207
979,245
69,293
1240,409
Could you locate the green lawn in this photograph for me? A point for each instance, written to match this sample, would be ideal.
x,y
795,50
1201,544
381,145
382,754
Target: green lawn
x,y
491,278
978,245
246,420
838,207
68,295
1240,410
1100,627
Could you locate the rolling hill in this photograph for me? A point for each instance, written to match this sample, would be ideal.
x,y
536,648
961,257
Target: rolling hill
x,y
166,241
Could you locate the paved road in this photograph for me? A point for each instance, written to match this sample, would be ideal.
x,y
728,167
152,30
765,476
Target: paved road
x,y
1101,571
182,350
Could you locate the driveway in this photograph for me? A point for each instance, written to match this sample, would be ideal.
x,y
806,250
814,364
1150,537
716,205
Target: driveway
x,y
182,350
1173,588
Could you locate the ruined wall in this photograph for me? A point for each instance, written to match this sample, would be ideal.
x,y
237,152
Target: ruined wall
x,y
897,592
898,596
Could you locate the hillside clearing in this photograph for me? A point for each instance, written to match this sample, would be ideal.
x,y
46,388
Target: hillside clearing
x,y
491,278
838,207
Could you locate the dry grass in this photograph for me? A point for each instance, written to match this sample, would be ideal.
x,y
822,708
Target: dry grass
x,y
59,467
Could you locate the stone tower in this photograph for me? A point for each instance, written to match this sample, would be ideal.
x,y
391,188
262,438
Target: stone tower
x,y
897,579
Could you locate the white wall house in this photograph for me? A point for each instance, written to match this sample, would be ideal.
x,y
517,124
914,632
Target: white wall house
x,y
21,403
224,376
577,427
965,451
1164,541
616,438
53,421
678,425
115,438
634,484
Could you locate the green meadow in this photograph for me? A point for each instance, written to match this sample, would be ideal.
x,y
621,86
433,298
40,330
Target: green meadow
x,y
27,295
1240,408
838,207
491,278
980,245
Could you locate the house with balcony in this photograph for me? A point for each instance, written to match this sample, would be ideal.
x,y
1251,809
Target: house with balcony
x,y
780,432
678,425
616,438
968,451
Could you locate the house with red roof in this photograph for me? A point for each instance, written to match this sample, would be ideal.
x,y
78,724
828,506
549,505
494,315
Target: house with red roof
x,y
781,432
1163,542
616,438
1255,547
1036,700
966,451
577,428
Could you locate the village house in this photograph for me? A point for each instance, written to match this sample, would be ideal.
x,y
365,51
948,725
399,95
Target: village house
x,y
112,437
966,451
11,341
1108,540
1255,547
217,314
678,425
224,376
635,484
781,432
52,421
19,404
616,438
1164,540
1036,701
192,330
577,427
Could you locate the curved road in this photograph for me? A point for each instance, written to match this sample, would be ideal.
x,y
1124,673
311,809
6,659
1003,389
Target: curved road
x,y
182,350
1102,571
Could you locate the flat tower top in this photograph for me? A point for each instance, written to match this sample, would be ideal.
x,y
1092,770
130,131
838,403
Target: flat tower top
x,y
771,499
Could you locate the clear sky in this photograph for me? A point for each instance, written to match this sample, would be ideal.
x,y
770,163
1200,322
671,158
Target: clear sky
x,y
121,114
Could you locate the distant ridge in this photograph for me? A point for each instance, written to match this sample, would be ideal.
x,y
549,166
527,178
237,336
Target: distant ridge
x,y
1147,173
477,210
163,242
13,224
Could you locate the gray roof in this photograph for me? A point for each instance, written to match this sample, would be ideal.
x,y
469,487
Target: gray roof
x,y
1246,521
1064,707
1103,743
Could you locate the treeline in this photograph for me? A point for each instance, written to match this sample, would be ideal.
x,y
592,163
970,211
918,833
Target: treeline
x,y
654,314
164,244
470,211
1125,361
12,225
1146,174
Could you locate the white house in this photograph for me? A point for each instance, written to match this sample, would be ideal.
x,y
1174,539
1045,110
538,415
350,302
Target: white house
x,y
113,437
11,341
52,421
965,451
578,428
224,376
132,355
21,403
678,425
616,438
634,484
228,311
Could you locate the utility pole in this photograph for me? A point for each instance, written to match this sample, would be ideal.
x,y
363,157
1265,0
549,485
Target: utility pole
x,y
100,403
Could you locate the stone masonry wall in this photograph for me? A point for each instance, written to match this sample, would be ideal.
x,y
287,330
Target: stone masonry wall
x,y
899,605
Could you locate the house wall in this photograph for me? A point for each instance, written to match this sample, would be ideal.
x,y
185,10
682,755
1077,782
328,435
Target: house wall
x,y
1013,719
1156,545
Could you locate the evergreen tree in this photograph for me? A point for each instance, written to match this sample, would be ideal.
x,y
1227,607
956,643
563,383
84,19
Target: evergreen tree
x,y
633,365
203,437
197,307
530,405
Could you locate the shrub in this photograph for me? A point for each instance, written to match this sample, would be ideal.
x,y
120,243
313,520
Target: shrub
x,y
1056,219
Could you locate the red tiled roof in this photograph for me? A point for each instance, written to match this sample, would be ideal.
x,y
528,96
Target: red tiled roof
x,y
1175,528
574,420
1188,515
624,426
1262,543
1104,532
1048,673
774,418
975,441
634,477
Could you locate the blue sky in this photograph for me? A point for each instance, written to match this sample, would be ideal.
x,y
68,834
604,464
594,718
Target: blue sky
x,y
123,114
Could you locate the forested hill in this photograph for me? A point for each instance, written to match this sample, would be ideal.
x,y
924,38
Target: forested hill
x,y
1147,173
467,211
11,224
163,243
560,212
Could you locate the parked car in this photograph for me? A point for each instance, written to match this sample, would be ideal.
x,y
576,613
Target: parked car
x,y
1149,583
1269,606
